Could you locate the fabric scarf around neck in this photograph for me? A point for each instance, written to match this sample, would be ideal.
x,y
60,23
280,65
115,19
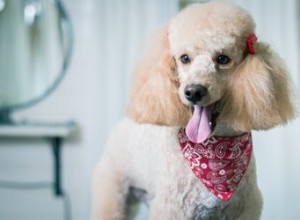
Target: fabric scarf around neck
x,y
219,162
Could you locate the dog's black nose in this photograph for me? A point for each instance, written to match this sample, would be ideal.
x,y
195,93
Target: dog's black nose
x,y
194,93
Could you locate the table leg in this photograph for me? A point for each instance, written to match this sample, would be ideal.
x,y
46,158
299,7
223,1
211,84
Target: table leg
x,y
56,147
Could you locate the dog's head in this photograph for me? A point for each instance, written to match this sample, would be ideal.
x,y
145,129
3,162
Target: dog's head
x,y
202,59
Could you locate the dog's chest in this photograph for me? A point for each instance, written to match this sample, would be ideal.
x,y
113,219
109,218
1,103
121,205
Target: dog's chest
x,y
189,192
155,163
166,171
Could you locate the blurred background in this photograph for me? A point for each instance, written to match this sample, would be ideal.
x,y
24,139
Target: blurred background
x,y
71,63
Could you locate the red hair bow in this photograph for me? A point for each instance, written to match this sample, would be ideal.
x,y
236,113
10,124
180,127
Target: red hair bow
x,y
252,38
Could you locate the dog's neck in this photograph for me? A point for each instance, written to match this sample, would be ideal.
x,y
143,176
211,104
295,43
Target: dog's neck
x,y
224,129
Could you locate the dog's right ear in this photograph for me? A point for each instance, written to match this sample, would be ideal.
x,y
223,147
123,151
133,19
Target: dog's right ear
x,y
154,95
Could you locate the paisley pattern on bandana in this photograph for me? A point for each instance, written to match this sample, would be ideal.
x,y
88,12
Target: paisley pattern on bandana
x,y
219,162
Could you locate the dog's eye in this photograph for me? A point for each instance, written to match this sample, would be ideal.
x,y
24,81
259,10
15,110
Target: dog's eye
x,y
185,59
223,59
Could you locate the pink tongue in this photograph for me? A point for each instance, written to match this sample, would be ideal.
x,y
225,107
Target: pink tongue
x,y
198,128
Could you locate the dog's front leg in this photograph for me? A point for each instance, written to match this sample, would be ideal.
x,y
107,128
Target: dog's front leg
x,y
108,194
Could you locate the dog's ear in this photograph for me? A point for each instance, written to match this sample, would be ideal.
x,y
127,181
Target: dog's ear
x,y
154,94
260,96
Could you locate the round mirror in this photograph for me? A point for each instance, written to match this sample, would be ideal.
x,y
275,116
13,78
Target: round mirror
x,y
35,48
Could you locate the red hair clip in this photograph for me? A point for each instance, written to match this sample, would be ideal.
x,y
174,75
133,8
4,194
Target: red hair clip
x,y
252,38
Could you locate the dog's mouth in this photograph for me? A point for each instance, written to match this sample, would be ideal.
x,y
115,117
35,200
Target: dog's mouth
x,y
202,123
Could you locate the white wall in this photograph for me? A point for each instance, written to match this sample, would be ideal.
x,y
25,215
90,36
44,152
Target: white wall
x,y
108,37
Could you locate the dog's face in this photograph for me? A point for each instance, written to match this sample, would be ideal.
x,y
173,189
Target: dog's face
x,y
207,48
203,74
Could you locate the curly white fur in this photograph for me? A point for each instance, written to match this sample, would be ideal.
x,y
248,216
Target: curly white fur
x,y
143,156
149,157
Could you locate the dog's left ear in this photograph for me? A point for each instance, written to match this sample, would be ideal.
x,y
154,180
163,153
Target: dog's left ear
x,y
260,96
154,94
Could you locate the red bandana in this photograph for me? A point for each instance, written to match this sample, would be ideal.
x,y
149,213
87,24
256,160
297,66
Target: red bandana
x,y
219,162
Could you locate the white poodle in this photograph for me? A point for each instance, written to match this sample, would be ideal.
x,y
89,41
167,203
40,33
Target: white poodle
x,y
185,147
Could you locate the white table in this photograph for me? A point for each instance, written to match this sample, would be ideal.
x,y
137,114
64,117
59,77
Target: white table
x,y
55,133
